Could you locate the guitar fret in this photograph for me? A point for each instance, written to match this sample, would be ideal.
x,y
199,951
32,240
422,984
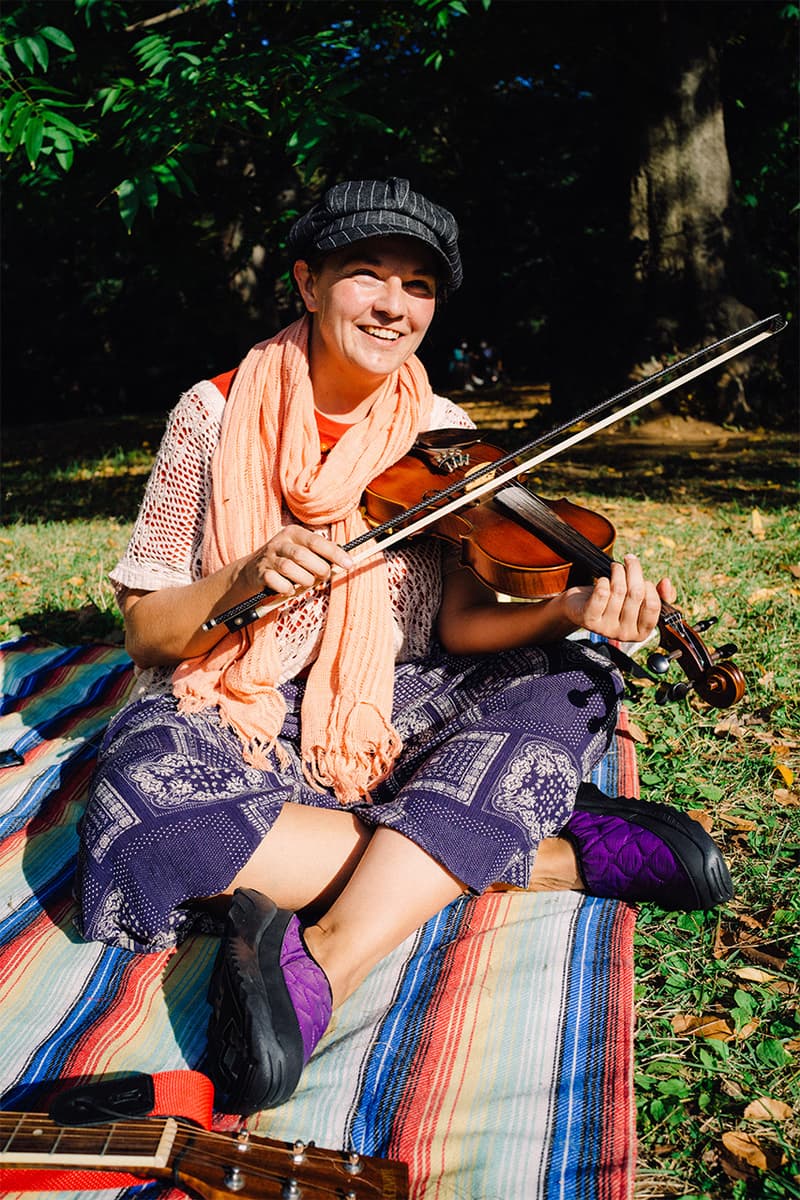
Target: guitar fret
x,y
46,1145
14,1132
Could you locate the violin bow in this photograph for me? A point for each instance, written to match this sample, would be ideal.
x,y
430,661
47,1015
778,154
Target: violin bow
x,y
666,380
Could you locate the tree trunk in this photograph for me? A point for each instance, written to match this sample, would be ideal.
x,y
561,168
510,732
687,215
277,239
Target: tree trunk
x,y
683,236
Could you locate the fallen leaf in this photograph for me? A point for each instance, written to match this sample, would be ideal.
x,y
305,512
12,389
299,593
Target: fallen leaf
x,y
747,1029
666,541
786,798
76,580
793,567
743,1156
760,594
637,733
741,824
792,1046
757,525
702,818
713,1028
786,773
730,725
767,1109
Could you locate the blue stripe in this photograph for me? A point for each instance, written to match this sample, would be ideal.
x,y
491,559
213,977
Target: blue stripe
x,y
386,1070
574,1158
19,682
48,1062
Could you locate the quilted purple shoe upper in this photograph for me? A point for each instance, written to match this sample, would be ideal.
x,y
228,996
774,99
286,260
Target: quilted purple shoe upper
x,y
308,987
619,859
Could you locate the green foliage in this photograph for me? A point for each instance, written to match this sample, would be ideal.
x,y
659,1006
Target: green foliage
x,y
33,112
264,73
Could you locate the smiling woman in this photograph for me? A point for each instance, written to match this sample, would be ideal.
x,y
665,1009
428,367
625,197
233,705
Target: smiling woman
x,y
334,774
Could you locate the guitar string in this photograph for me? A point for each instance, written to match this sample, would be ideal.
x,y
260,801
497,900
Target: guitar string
x,y
125,1140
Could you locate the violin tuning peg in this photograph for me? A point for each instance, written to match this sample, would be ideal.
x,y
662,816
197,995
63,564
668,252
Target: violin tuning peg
x,y
705,624
658,663
726,651
679,690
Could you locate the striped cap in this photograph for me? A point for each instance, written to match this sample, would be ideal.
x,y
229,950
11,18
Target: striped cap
x,y
364,208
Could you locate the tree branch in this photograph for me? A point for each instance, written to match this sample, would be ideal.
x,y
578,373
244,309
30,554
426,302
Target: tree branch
x,y
159,18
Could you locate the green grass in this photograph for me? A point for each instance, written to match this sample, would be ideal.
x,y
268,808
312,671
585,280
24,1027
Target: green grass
x,y
688,512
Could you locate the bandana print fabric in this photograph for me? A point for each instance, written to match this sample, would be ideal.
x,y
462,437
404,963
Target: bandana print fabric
x,y
494,750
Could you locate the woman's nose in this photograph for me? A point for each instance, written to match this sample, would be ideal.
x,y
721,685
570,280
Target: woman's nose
x,y
391,299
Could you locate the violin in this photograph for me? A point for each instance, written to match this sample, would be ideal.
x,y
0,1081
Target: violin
x,y
716,680
530,548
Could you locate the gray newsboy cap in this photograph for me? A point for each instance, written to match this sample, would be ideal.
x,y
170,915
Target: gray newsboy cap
x,y
364,208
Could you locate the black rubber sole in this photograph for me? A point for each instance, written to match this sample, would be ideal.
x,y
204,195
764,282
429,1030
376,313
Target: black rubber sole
x,y
696,852
255,1048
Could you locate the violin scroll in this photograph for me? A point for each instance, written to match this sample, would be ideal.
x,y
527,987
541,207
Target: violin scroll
x,y
710,673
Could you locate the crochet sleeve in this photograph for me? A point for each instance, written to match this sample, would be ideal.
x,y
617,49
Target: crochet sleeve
x,y
166,543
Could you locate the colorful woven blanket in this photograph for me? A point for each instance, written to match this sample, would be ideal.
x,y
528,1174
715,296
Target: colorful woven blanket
x,y
491,1052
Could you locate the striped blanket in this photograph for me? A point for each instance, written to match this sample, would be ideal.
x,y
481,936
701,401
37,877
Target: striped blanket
x,y
491,1051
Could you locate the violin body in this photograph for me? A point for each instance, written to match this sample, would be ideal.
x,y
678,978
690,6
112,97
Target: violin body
x,y
504,554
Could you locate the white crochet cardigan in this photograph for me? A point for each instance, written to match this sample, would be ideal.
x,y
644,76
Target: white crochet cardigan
x,y
165,548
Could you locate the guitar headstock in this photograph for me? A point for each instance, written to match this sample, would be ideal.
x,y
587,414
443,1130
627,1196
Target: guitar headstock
x,y
259,1168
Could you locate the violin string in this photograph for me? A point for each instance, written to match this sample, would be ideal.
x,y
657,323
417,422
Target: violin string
x,y
541,519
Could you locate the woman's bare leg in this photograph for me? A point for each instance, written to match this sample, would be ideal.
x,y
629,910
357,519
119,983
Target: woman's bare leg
x,y
306,858
395,888
374,888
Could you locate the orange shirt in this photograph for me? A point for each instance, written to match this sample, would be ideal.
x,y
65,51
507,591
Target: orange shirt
x,y
329,431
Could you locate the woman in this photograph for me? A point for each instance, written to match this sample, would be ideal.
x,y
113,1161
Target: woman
x,y
347,766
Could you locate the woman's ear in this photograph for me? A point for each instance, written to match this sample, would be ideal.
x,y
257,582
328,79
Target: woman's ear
x,y
304,278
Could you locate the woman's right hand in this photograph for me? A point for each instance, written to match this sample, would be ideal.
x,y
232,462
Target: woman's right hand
x,y
294,559
164,627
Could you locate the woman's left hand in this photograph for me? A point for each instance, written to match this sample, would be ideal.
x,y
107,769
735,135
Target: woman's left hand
x,y
625,607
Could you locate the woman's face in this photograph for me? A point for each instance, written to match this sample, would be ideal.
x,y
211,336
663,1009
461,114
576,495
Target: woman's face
x,y
372,304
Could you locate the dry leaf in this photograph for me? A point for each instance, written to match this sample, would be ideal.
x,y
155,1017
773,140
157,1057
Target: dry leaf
x,y
767,1109
786,798
743,1155
764,593
702,818
637,733
76,580
747,1029
793,567
666,541
730,725
754,975
757,525
792,1046
713,1028
740,824
786,773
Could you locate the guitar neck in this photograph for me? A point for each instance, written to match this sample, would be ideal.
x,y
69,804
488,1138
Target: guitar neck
x,y
207,1164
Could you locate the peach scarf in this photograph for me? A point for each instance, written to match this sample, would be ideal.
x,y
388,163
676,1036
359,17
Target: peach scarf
x,y
269,449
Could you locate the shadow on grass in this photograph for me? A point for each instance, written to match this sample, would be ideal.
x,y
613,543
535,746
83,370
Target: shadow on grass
x,y
83,469
72,626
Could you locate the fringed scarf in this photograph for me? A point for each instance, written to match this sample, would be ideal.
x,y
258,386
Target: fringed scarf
x,y
269,450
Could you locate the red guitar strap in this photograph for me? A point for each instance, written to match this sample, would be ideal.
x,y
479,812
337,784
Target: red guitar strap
x,y
186,1094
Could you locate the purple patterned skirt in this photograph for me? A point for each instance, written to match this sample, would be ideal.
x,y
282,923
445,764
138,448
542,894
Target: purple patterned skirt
x,y
494,749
